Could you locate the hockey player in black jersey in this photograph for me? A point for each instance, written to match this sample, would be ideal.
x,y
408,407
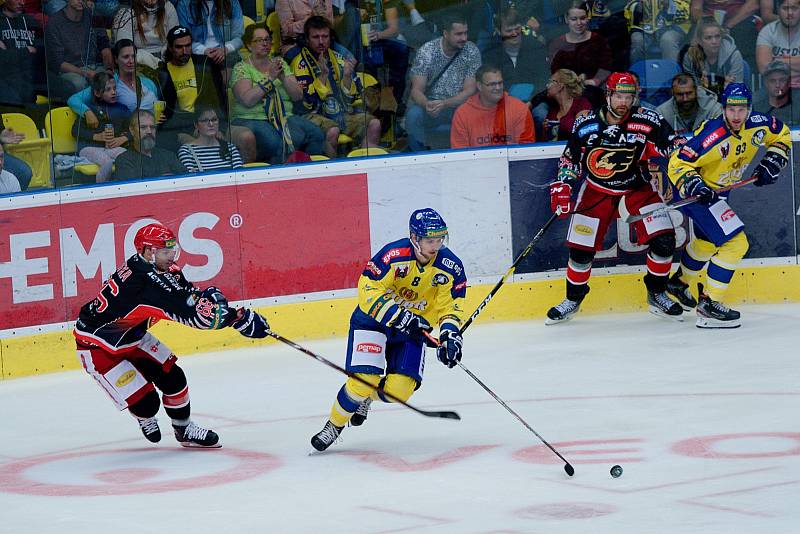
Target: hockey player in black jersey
x,y
610,148
129,363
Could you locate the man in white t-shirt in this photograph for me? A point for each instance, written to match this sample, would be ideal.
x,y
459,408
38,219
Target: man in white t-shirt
x,y
780,40
442,78
8,182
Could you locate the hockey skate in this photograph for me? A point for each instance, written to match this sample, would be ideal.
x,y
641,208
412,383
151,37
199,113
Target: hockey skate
x,y
360,416
680,291
192,435
562,312
661,305
150,429
714,314
326,437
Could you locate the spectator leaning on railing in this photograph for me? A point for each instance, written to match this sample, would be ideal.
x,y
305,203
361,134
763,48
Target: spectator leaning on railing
x,y
491,116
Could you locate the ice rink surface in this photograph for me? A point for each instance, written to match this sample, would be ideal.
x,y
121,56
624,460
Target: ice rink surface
x,y
704,423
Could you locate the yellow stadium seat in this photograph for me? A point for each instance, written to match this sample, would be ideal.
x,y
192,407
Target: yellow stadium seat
x,y
33,150
247,21
318,157
256,164
344,139
274,25
58,125
361,152
260,15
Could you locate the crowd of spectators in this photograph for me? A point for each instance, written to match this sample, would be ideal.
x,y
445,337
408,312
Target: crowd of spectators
x,y
218,84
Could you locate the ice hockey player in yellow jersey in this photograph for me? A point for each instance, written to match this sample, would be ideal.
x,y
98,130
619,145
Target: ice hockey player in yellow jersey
x,y
407,287
715,157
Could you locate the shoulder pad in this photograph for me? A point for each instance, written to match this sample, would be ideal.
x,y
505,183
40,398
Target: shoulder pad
x,y
396,251
648,114
449,262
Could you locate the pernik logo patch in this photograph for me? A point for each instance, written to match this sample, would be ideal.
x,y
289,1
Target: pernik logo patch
x,y
438,233
170,243
625,88
736,101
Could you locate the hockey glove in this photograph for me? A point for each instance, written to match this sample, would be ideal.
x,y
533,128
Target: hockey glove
x,y
769,169
411,324
449,350
696,187
560,198
250,323
212,309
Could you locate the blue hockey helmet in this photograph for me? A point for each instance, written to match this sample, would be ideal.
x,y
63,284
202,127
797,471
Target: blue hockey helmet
x,y
736,94
427,223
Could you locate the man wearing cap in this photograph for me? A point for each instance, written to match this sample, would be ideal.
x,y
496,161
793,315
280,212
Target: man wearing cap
x,y
185,81
776,97
609,146
714,158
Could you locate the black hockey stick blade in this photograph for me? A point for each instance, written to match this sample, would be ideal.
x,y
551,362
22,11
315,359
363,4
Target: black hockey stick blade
x,y
442,414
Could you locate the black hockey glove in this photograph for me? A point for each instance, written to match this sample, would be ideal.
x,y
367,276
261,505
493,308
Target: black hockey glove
x,y
411,324
696,187
769,169
251,324
449,350
212,309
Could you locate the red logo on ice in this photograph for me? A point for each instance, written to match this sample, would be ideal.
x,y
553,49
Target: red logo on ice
x,y
373,348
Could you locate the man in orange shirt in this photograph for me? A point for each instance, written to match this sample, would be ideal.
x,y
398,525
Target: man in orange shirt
x,y
491,116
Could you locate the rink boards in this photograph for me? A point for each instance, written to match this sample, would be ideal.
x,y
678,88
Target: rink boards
x,y
292,242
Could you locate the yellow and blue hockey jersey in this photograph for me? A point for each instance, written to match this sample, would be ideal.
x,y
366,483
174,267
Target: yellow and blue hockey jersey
x,y
721,156
393,279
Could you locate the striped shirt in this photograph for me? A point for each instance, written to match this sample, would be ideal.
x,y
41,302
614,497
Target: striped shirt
x,y
199,158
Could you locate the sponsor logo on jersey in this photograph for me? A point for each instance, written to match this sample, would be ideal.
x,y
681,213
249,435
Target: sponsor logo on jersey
x,y
591,139
450,264
126,378
639,127
401,271
374,269
724,150
605,162
758,137
440,279
459,286
408,294
636,138
204,307
372,348
727,215
395,253
583,229
589,128
756,119
713,137
689,153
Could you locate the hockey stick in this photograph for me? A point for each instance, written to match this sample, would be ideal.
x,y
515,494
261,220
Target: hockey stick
x,y
688,200
433,341
426,413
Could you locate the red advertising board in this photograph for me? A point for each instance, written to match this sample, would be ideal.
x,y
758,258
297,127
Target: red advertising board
x,y
251,240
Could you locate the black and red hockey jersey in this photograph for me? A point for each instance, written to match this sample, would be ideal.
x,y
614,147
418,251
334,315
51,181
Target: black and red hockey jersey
x,y
136,297
614,156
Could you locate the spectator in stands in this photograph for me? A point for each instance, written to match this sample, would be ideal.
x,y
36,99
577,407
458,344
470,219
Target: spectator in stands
x,y
293,15
608,18
21,53
208,152
224,20
689,105
776,98
491,116
8,182
780,40
13,164
584,52
102,144
713,58
76,50
565,102
735,16
768,11
146,22
186,81
655,22
144,159
265,88
133,90
442,78
522,57
329,88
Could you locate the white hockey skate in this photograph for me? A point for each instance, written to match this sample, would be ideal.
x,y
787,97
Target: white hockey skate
x,y
714,314
562,312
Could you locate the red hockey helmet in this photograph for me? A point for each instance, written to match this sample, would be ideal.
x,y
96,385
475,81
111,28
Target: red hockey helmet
x,y
155,235
621,82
